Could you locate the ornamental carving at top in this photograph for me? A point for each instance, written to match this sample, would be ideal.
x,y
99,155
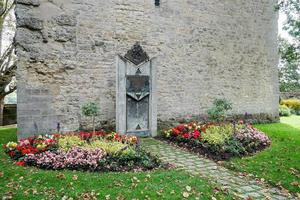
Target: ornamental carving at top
x,y
136,54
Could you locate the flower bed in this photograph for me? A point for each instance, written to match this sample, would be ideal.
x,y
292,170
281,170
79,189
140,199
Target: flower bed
x,y
82,151
219,141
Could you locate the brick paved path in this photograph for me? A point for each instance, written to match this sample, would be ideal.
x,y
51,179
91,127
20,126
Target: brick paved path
x,y
237,185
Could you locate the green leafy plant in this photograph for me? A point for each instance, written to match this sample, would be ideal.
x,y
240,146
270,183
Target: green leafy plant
x,y
68,141
91,109
218,112
111,147
140,159
218,134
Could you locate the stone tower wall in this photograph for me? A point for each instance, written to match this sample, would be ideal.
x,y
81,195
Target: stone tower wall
x,y
204,49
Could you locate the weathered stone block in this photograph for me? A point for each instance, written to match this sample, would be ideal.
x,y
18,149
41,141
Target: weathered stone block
x,y
29,2
30,22
65,34
66,20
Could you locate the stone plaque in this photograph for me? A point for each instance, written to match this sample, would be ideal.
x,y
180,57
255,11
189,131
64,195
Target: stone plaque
x,y
136,93
137,103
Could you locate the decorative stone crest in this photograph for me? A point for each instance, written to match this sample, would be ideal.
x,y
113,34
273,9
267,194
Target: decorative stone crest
x,y
136,54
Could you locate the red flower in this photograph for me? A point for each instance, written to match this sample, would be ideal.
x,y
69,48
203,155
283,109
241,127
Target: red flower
x,y
11,154
48,141
26,151
196,134
175,132
186,135
180,127
20,163
85,135
19,148
118,137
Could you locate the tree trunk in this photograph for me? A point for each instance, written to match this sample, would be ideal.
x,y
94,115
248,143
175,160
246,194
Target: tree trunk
x,y
1,110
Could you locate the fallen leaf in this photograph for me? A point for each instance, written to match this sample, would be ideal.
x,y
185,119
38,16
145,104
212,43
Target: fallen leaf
x,y
295,183
188,188
75,177
185,194
60,176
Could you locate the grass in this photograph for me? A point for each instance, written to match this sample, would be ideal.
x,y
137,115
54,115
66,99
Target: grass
x,y
293,120
280,163
31,183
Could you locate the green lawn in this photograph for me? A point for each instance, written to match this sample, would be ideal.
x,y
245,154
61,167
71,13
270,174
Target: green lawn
x,y
32,183
280,163
293,120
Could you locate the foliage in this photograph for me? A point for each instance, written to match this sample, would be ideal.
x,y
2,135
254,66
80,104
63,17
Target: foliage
x,y
90,109
234,147
290,50
111,147
69,141
7,57
219,141
138,159
291,103
289,76
279,164
217,135
284,110
218,112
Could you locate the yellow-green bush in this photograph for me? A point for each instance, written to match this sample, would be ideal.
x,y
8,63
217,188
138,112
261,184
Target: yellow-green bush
x,y
291,103
110,147
68,141
217,134
284,111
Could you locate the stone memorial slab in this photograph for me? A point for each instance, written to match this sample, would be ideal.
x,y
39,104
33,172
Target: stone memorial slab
x,y
136,93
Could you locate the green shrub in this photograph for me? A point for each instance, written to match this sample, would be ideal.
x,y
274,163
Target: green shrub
x,y
218,112
234,147
68,141
140,159
91,110
284,110
217,135
111,147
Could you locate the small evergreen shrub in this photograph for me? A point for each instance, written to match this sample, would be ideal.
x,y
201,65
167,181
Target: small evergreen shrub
x,y
91,109
218,112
